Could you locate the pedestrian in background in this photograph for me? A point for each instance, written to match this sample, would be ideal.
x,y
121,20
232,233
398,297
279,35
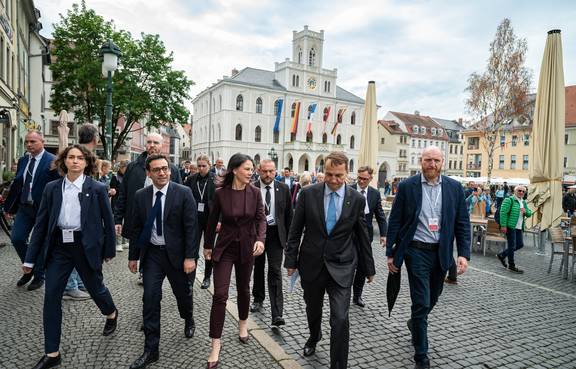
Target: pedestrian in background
x,y
569,202
238,206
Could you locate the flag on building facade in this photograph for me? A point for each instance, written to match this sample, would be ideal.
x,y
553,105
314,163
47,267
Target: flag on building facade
x,y
338,120
294,129
278,115
311,111
325,118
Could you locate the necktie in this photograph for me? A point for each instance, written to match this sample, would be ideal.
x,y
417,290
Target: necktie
x,y
157,211
268,199
366,209
331,219
27,190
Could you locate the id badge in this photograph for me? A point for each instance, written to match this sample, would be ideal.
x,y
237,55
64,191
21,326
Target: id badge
x,y
67,236
200,207
270,219
433,224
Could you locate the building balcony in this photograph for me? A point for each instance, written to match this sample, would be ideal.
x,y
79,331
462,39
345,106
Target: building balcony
x,y
474,166
474,147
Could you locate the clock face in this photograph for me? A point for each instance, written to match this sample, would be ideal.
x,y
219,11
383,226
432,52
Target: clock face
x,y
312,83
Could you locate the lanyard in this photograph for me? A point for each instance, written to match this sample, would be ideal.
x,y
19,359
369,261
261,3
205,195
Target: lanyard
x,y
203,189
433,206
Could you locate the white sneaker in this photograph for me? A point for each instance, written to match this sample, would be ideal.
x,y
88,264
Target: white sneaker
x,y
119,247
75,295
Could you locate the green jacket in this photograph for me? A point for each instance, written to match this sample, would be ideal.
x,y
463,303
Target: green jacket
x,y
510,211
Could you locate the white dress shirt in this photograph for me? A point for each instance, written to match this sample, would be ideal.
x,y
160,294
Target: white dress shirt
x,y
272,210
365,194
69,217
38,158
155,239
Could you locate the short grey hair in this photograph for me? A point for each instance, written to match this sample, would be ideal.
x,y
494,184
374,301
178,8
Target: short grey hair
x,y
87,133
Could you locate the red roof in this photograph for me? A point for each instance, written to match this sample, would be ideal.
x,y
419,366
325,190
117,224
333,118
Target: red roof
x,y
391,126
411,120
571,106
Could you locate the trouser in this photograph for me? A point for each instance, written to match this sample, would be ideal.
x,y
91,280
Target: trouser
x,y
202,223
156,266
515,243
23,224
339,323
63,258
273,252
222,273
426,279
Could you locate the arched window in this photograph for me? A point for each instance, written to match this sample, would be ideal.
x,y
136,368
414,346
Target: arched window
x,y
433,131
219,102
256,159
239,103
276,106
293,110
276,137
297,81
353,118
312,57
238,132
300,56
291,163
351,166
293,80
415,129
352,142
324,138
258,134
309,137
259,105
338,140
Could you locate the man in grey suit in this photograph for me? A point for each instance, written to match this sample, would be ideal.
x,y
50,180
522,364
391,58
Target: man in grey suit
x,y
335,241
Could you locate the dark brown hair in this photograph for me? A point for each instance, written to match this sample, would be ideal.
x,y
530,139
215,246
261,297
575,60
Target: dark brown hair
x,y
337,158
89,158
151,158
366,168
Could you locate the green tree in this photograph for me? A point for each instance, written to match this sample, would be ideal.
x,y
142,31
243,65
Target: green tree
x,y
500,94
146,88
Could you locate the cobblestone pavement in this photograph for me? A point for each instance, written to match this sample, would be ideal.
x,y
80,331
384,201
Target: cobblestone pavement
x,y
491,319
84,347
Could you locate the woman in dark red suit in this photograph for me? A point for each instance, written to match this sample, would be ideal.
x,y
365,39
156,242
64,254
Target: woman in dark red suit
x,y
238,206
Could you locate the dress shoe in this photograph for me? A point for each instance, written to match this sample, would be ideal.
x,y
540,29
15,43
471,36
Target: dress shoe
x,y
48,362
358,301
244,340
24,279
411,329
189,328
310,346
110,325
35,284
512,268
256,307
278,321
502,260
422,364
450,280
205,283
148,357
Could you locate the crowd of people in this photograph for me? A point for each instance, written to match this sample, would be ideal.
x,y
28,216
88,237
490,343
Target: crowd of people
x,y
78,212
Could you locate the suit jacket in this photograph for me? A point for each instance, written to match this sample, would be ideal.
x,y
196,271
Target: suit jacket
x,y
44,174
245,226
282,179
98,237
375,210
403,220
179,224
133,180
208,193
339,252
282,210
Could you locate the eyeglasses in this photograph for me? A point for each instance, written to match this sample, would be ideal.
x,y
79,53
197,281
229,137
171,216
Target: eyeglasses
x,y
158,169
520,191
363,178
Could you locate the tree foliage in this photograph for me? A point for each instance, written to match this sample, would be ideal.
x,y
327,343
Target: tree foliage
x,y
145,87
500,94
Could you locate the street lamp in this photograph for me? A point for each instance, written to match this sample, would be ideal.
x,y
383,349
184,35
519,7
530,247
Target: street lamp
x,y
110,53
273,156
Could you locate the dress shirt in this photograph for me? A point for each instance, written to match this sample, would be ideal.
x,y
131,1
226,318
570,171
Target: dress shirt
x,y
365,194
431,208
338,200
38,158
154,238
272,210
288,181
69,217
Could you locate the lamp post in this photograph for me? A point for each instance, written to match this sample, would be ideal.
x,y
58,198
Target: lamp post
x,y
273,156
110,53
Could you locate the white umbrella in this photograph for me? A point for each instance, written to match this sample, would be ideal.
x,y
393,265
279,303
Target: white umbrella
x,y
63,130
369,137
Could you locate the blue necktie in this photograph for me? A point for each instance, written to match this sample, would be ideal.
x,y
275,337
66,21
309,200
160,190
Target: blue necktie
x,y
157,211
331,219
27,190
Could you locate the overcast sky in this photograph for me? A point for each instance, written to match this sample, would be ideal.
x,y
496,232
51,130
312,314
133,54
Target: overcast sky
x,y
420,53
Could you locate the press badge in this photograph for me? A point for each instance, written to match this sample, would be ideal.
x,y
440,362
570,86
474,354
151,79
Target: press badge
x,y
201,207
433,224
270,219
67,236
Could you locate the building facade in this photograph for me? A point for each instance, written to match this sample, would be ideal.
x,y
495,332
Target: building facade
x,y
454,149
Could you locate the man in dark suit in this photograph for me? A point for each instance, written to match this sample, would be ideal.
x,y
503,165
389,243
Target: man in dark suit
x,y
286,178
278,210
33,173
372,209
335,241
429,211
167,246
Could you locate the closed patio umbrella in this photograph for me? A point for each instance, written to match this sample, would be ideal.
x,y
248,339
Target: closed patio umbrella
x,y
546,163
369,136
63,130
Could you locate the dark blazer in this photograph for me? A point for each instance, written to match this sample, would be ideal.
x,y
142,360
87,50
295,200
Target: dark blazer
x,y
282,179
403,220
375,208
179,221
245,229
338,252
98,237
208,192
283,209
133,180
44,174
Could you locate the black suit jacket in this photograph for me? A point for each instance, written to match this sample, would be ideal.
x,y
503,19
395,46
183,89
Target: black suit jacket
x,y
339,252
133,180
208,198
282,209
179,220
98,237
403,220
375,211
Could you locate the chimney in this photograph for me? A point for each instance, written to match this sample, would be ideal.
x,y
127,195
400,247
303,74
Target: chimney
x,y
234,72
460,120
416,112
